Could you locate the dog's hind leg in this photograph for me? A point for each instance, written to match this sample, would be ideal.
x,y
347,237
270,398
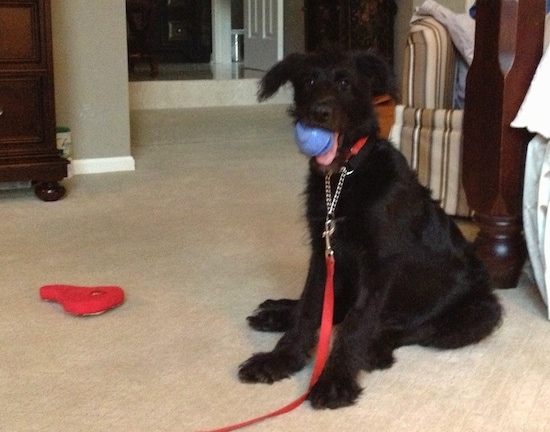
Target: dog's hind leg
x,y
273,315
466,322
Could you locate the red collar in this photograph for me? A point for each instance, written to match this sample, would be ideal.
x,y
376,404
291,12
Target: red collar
x,y
356,148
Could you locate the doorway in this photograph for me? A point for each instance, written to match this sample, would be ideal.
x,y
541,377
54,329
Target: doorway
x,y
174,39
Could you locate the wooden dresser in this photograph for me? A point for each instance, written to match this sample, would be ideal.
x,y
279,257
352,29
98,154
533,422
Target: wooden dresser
x,y
28,150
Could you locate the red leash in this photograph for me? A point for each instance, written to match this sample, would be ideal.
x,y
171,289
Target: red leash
x,y
322,350
323,347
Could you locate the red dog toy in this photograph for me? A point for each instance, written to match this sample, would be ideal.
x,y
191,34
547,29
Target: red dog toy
x,y
83,300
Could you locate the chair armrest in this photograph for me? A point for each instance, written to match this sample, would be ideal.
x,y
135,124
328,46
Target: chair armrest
x,y
429,67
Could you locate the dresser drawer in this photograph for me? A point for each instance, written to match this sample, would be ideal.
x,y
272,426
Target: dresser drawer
x,y
21,46
23,111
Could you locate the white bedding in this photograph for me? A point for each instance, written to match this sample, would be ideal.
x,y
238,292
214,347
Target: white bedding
x,y
534,114
536,223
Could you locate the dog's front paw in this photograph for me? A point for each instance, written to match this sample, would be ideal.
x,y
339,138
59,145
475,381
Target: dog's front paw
x,y
273,315
269,367
334,392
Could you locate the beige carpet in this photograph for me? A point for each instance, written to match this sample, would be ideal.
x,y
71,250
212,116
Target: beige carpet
x,y
207,227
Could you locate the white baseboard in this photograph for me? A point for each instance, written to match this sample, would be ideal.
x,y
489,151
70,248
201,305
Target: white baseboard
x,y
103,165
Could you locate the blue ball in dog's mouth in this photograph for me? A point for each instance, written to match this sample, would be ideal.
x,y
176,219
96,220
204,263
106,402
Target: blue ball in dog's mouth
x,y
313,141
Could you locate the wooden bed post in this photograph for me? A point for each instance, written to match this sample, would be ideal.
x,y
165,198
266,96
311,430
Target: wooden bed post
x,y
508,48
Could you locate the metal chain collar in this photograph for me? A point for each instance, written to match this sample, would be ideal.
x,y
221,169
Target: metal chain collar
x,y
331,201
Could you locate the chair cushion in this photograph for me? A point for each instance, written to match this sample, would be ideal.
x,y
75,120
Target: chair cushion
x,y
429,66
431,141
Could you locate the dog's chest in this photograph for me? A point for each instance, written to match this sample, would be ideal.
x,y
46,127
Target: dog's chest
x,y
348,216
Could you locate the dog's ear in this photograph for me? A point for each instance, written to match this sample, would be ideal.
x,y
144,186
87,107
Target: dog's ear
x,y
378,71
278,75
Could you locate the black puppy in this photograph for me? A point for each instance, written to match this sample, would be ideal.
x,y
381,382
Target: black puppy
x,y
404,274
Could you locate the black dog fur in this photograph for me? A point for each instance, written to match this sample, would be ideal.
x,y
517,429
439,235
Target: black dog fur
x,y
404,273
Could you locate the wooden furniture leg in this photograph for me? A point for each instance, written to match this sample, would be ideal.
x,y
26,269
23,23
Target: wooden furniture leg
x,y
508,48
49,190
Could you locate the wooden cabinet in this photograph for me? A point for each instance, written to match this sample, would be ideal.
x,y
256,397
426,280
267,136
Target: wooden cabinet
x,y
350,24
28,150
184,31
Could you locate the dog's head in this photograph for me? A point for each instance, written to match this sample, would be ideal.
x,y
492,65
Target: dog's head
x,y
333,90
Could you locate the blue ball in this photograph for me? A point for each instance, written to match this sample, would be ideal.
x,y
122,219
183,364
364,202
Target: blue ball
x,y
313,141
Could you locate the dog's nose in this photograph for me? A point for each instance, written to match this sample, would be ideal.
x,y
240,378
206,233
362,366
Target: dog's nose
x,y
321,112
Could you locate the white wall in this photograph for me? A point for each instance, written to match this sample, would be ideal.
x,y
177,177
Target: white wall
x,y
91,78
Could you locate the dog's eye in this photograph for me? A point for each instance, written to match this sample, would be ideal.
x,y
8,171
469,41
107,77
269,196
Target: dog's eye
x,y
343,83
310,82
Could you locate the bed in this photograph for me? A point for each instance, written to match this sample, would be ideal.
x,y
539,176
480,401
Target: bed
x,y
508,48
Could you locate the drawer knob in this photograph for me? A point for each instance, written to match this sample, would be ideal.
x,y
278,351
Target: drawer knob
x,y
1,111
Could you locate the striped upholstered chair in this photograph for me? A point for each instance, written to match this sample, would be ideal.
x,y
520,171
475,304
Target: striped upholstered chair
x,y
427,130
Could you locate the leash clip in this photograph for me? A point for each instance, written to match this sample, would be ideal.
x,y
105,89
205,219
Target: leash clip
x,y
330,227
